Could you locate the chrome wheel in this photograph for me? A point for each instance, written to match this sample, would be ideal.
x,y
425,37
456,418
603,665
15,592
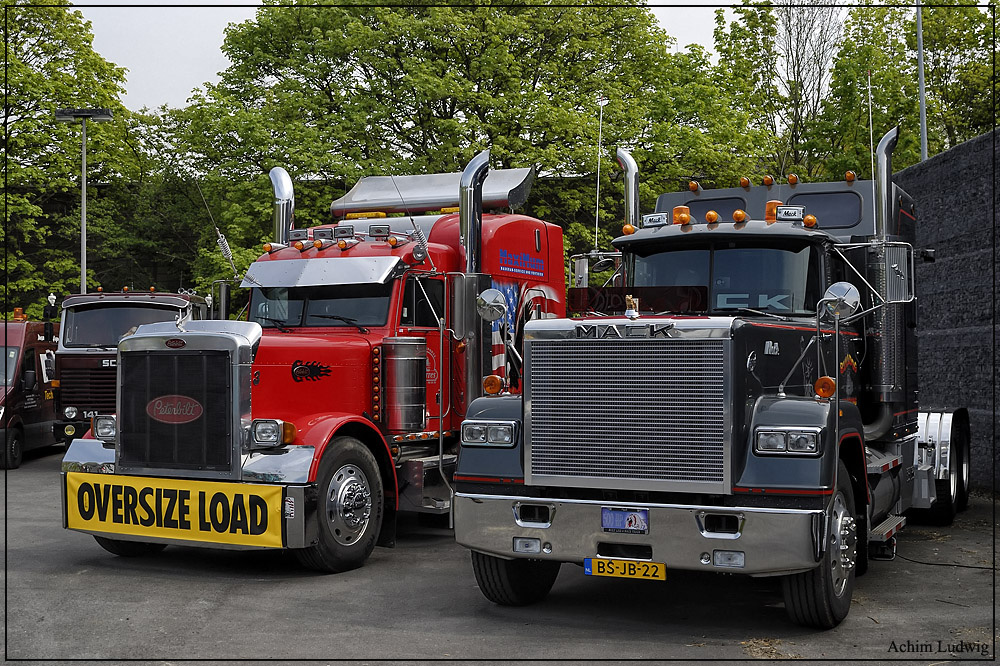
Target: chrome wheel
x,y
843,544
348,504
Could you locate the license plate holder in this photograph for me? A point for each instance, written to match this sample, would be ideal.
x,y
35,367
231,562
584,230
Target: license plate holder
x,y
624,521
616,568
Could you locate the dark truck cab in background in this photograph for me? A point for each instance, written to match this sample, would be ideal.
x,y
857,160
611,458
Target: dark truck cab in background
x,y
27,408
87,357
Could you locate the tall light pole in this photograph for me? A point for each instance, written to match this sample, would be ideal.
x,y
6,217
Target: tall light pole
x,y
601,102
920,84
69,116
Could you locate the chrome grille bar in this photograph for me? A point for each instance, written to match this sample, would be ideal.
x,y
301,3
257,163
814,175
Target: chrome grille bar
x,y
628,413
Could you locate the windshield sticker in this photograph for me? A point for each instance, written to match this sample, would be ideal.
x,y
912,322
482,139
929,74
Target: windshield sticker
x,y
523,264
774,300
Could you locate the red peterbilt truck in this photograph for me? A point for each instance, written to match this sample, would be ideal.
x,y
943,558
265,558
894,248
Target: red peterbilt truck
x,y
338,402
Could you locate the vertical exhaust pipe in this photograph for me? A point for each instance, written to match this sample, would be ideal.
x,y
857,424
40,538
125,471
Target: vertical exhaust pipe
x,y
470,210
631,187
883,182
284,204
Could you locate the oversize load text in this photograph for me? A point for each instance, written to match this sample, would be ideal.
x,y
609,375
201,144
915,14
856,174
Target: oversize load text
x,y
194,511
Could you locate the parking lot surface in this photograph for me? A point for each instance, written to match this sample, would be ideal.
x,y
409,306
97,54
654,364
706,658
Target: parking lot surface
x,y
66,598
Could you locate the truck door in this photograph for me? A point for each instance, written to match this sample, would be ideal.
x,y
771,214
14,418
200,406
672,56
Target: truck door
x,y
32,411
423,305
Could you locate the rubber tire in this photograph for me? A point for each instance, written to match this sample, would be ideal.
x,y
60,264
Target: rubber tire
x,y
965,466
13,451
943,511
327,555
514,582
810,599
129,548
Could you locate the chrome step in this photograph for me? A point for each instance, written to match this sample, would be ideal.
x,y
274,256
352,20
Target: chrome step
x,y
887,529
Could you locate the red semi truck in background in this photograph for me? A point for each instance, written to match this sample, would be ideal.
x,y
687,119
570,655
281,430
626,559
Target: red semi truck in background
x,y
86,360
338,402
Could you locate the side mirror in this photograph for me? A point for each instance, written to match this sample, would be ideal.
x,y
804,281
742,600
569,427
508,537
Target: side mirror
x,y
603,265
842,299
491,305
30,380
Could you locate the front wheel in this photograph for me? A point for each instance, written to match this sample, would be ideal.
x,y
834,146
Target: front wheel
x,y
13,450
822,597
514,582
349,511
129,548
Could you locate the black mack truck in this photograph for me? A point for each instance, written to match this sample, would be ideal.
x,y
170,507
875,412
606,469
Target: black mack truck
x,y
741,397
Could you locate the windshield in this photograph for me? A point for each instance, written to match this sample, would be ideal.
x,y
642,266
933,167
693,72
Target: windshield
x,y
104,325
728,277
10,353
327,305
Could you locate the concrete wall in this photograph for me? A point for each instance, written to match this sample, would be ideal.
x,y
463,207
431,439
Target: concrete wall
x,y
956,196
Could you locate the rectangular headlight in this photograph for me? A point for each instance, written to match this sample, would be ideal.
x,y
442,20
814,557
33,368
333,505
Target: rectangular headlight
x,y
484,433
802,442
770,442
105,428
268,433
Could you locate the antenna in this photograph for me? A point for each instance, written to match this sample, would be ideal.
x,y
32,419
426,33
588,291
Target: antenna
x,y
871,134
601,102
220,239
418,233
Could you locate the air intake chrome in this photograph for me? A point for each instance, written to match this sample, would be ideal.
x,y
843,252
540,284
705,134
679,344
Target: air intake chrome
x,y
628,414
284,204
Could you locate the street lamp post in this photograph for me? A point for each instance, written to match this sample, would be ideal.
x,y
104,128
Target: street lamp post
x,y
601,102
69,116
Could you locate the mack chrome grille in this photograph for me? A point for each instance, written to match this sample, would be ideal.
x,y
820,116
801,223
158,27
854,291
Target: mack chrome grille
x,y
176,411
644,414
88,389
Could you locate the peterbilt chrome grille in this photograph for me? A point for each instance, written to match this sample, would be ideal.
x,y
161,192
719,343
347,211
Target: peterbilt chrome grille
x,y
639,414
159,425
88,389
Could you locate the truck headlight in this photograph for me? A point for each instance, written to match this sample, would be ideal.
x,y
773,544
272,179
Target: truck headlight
x,y
268,433
803,442
480,433
105,428
70,413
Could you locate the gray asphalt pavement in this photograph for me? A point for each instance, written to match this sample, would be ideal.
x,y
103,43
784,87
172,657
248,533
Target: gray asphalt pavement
x,y
66,598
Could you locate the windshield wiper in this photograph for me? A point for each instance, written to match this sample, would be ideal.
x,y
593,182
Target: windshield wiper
x,y
348,320
277,324
764,313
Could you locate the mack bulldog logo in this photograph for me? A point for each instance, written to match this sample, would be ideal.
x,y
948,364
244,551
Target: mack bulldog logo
x,y
309,371
174,409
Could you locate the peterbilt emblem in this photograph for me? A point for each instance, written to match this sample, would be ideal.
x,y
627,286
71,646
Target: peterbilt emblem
x,y
310,371
625,331
771,348
174,409
175,343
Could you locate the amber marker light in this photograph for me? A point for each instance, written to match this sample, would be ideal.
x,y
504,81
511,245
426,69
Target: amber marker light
x,y
392,240
152,289
809,221
288,432
825,386
850,176
267,247
739,215
693,185
744,182
711,216
628,229
682,215
342,244
793,179
492,384
124,288
771,211
768,180
300,246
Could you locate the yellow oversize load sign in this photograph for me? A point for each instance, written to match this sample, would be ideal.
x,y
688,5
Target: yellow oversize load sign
x,y
232,513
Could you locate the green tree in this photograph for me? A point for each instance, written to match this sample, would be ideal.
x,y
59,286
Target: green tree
x,y
334,93
50,63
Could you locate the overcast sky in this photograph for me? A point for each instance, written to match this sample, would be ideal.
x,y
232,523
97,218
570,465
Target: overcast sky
x,y
173,48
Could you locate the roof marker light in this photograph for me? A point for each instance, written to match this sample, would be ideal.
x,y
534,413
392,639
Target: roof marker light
x,y
682,215
739,215
694,186
364,215
850,176
793,179
711,217
771,210
768,180
809,221
745,182
628,229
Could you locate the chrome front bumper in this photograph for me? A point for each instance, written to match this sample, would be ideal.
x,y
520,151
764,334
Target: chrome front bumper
x,y
773,541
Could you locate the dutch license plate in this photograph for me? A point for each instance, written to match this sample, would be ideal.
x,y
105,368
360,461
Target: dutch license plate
x,y
594,566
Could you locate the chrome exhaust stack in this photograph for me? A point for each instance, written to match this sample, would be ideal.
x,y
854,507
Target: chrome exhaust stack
x,y
470,210
631,187
284,204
